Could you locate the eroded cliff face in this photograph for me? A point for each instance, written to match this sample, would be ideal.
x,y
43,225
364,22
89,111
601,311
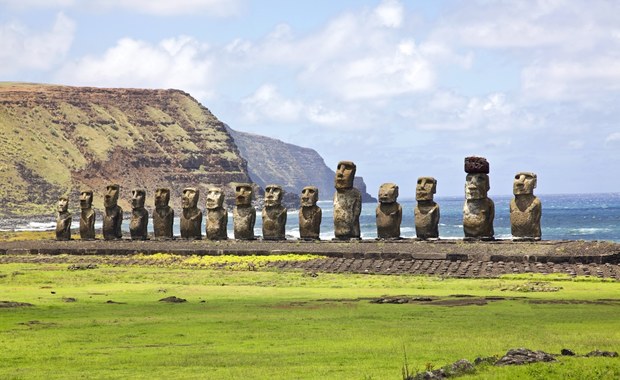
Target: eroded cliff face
x,y
56,140
290,166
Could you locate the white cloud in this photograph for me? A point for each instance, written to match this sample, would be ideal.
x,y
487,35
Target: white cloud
x,y
361,55
390,13
447,111
498,24
613,138
181,62
22,48
574,79
218,8
267,104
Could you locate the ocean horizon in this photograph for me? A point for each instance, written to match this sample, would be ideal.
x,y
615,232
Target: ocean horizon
x,y
564,217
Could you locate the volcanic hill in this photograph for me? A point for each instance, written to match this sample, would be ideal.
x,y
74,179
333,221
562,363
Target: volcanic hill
x,y
56,140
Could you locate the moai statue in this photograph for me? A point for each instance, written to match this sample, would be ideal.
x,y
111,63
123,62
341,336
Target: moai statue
x,y
525,208
426,211
217,216
310,214
63,221
479,210
244,214
87,215
274,214
347,203
163,217
191,217
389,212
113,217
139,216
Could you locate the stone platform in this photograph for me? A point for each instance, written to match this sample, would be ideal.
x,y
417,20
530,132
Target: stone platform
x,y
446,258
570,252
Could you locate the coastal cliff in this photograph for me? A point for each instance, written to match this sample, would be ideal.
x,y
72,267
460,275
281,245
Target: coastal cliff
x,y
293,167
56,140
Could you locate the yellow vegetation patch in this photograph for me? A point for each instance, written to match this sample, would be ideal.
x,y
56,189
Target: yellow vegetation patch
x,y
230,262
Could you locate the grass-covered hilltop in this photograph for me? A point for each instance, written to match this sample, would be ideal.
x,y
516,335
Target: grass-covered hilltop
x,y
56,140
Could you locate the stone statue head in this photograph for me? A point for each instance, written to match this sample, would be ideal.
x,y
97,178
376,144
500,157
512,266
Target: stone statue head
x,y
215,198
63,204
476,186
309,196
86,199
110,198
388,192
345,174
273,195
190,197
162,197
137,198
243,194
524,183
425,188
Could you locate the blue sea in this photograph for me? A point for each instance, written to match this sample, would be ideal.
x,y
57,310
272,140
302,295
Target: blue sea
x,y
564,217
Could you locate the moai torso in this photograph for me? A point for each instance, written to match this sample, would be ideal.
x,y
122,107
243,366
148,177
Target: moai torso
x,y
163,216
310,214
389,213
478,210
63,221
347,203
191,216
525,208
426,212
139,216
113,216
244,214
274,214
217,216
87,216
478,218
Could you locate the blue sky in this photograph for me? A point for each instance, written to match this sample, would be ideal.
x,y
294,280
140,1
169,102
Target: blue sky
x,y
403,88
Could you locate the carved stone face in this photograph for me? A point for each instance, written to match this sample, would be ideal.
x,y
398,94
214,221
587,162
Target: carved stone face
x,y
425,188
162,197
111,195
388,192
243,194
137,198
345,174
273,195
190,197
309,196
215,198
86,199
63,204
476,186
524,183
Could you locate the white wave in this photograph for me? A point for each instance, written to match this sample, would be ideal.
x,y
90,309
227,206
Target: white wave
x,y
588,231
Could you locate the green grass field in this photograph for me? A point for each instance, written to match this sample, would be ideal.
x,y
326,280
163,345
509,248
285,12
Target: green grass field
x,y
285,325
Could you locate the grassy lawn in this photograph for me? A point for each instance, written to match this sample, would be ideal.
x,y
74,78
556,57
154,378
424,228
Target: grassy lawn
x,y
286,325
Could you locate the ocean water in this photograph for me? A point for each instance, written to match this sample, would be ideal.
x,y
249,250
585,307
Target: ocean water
x,y
564,217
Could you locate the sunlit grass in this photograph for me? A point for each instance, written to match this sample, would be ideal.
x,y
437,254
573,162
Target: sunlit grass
x,y
266,324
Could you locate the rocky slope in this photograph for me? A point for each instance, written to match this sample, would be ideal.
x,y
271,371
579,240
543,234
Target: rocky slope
x,y
291,166
55,140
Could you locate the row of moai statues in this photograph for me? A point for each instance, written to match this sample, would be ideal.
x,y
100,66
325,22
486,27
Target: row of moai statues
x,y
478,210
244,215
